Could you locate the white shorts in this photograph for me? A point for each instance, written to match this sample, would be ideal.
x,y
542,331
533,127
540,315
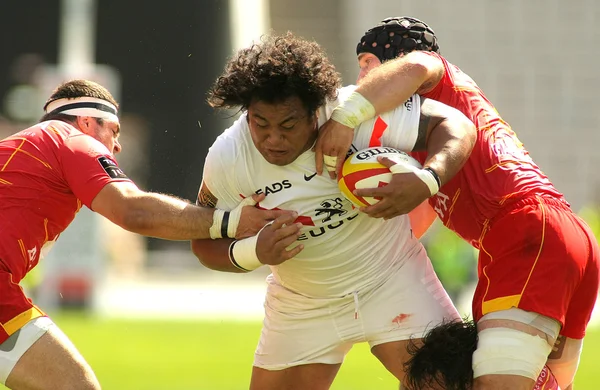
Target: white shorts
x,y
301,330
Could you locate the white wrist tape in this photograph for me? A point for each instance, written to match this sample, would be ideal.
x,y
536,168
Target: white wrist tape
x,y
353,111
236,213
425,175
216,230
225,223
242,254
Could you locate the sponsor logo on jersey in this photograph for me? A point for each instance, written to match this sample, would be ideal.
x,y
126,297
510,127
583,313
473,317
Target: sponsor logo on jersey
x,y
309,177
274,188
376,151
330,208
111,168
324,229
329,212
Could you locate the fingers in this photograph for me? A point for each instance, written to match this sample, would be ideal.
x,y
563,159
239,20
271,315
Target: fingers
x,y
288,254
385,161
375,192
340,163
319,158
286,236
270,215
331,163
286,219
379,209
257,198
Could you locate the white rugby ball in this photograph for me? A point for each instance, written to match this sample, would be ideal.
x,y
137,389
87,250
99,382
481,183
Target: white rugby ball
x,y
362,170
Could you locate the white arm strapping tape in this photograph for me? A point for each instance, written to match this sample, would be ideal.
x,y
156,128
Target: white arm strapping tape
x,y
423,174
353,111
233,220
242,254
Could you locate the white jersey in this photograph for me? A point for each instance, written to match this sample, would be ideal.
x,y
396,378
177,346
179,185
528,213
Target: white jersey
x,y
344,250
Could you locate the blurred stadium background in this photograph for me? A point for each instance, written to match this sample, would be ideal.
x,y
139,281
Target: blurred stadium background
x,y
144,312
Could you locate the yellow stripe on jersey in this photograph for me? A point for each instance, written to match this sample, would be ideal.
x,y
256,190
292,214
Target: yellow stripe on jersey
x,y
19,321
502,303
13,154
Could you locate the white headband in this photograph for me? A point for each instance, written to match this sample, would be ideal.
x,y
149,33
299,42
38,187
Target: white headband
x,y
84,106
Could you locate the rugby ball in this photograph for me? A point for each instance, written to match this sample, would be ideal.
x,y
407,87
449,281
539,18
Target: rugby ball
x,y
362,170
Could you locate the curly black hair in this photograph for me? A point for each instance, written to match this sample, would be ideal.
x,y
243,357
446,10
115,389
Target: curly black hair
x,y
273,70
443,358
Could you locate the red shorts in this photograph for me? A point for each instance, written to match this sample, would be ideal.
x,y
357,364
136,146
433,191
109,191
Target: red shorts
x,y
539,257
15,308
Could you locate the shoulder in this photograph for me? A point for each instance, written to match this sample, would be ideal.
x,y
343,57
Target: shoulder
x,y
236,137
231,148
324,112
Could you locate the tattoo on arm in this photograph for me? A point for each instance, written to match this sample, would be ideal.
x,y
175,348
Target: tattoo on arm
x,y
206,198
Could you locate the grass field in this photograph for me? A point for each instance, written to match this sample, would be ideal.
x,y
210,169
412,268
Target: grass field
x,y
217,355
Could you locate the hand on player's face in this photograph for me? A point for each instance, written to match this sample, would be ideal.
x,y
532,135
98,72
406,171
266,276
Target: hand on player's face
x,y
402,194
275,238
334,140
281,131
253,219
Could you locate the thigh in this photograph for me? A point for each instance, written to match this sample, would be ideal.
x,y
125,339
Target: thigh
x,y
411,301
298,330
512,349
48,360
534,259
308,376
393,355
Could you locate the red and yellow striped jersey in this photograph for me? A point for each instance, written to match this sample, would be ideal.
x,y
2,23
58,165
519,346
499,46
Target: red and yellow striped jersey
x,y
499,170
47,172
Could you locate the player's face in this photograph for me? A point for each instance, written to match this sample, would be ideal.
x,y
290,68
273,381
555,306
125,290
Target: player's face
x,y
107,133
281,131
366,62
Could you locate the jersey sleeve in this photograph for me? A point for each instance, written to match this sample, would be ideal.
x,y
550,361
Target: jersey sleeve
x,y
398,128
88,166
219,176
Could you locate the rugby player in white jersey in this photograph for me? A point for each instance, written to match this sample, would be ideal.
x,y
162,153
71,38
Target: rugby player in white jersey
x,y
338,276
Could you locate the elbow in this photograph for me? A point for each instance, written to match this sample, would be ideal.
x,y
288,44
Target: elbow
x,y
422,65
202,255
470,134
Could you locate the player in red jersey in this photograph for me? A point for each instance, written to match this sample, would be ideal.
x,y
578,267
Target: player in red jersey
x,y
47,173
443,360
538,261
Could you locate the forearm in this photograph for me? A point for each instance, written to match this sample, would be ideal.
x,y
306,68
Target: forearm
x,y
214,254
391,84
167,217
449,146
